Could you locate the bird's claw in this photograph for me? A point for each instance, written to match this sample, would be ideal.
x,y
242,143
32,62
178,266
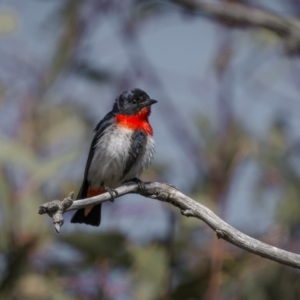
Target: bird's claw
x,y
113,193
139,182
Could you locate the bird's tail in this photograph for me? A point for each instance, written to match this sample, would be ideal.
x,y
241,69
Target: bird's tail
x,y
90,215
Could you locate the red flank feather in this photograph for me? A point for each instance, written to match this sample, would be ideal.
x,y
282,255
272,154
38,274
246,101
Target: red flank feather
x,y
92,193
95,192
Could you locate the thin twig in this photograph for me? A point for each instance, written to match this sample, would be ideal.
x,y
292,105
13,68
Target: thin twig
x,y
239,15
189,208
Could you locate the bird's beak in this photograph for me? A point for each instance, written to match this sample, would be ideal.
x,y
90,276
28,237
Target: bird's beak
x,y
148,103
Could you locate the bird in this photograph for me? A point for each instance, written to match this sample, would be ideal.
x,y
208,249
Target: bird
x,y
122,147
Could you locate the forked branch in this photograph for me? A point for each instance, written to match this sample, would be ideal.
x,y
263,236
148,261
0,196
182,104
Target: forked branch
x,y
188,207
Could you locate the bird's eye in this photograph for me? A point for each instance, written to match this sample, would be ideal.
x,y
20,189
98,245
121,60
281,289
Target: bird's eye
x,y
134,101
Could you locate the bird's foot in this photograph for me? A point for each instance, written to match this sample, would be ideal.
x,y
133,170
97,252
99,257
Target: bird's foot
x,y
139,182
113,193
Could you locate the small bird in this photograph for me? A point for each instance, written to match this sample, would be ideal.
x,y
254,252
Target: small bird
x,y
121,149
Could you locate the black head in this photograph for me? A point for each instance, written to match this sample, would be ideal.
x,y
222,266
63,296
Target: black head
x,y
132,102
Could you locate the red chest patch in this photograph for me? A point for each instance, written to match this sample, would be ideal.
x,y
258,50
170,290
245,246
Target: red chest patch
x,y
136,122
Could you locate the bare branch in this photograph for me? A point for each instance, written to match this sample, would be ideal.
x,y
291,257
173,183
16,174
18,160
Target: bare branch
x,y
188,207
237,14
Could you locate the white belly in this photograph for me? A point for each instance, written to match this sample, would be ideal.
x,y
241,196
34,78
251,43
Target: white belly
x,y
110,157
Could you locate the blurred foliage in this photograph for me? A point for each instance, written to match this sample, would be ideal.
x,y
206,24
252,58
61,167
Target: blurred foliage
x,y
8,22
101,247
47,141
149,271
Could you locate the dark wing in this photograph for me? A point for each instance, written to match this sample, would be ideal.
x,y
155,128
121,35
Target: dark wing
x,y
101,126
137,145
94,216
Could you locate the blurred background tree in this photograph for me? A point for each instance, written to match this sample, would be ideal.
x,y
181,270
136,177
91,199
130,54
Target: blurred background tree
x,y
227,133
